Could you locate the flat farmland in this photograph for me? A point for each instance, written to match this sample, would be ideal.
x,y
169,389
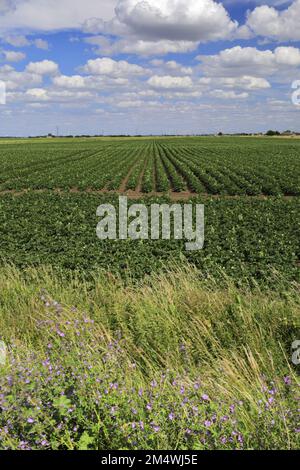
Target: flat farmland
x,y
213,166
50,191
141,344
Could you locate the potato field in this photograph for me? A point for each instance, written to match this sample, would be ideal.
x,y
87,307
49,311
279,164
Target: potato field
x,y
138,343
50,190
203,166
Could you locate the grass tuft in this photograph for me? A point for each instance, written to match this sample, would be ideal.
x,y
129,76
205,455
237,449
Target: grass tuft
x,y
172,362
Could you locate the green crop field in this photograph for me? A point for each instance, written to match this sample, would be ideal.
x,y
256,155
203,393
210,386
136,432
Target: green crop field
x,y
228,166
243,237
50,190
123,344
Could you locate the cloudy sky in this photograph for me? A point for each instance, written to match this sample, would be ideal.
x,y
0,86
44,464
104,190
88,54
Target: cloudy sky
x,y
148,66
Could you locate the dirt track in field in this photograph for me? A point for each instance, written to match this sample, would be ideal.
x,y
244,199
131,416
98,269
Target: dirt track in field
x,y
135,195
126,179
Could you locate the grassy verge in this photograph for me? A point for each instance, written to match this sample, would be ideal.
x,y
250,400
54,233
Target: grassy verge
x,y
174,362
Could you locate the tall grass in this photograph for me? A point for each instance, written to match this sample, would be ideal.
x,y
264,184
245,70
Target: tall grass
x,y
175,362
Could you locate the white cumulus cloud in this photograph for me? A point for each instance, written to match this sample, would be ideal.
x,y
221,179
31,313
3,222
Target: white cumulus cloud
x,y
158,27
14,79
140,47
191,20
169,82
51,15
279,25
44,67
75,81
14,56
228,95
23,41
113,68
17,41
244,60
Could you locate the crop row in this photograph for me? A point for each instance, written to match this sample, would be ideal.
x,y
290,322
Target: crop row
x,y
148,176
177,181
162,181
233,167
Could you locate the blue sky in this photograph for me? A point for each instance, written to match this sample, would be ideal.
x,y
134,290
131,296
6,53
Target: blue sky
x,y
151,66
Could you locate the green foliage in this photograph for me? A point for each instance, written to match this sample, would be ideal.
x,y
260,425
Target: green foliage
x,y
104,352
232,166
272,133
175,363
244,237
148,176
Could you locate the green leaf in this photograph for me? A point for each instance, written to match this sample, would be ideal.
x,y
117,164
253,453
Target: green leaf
x,y
85,441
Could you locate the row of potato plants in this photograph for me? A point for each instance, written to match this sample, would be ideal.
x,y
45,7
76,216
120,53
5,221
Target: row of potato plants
x,y
148,176
227,181
64,173
255,173
121,167
210,184
193,182
177,181
137,171
162,181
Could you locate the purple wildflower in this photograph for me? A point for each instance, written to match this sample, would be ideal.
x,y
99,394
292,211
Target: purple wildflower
x,y
287,380
155,427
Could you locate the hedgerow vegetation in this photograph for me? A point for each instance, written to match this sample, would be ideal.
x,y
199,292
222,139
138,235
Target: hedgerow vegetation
x,y
175,362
